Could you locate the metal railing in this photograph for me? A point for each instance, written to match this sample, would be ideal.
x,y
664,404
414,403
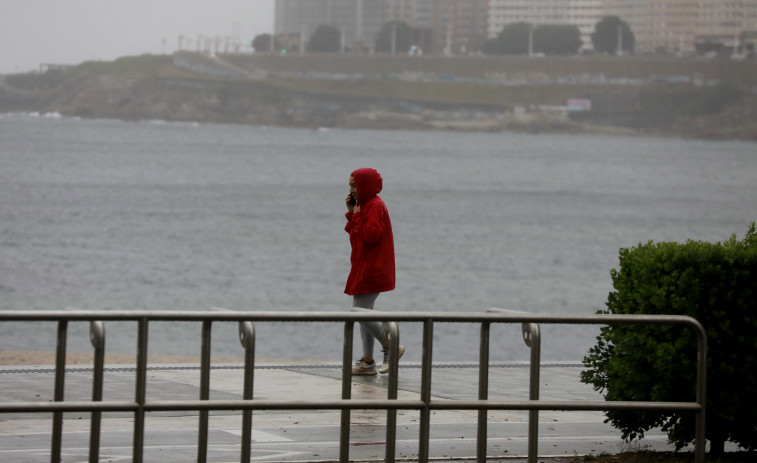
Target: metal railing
x,y
140,406
532,337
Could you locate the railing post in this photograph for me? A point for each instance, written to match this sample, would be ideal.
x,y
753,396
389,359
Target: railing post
x,y
391,414
344,429
247,338
140,392
60,383
97,338
532,337
424,434
483,393
700,430
202,438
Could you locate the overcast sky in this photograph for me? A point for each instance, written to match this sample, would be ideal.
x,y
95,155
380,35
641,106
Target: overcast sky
x,y
73,31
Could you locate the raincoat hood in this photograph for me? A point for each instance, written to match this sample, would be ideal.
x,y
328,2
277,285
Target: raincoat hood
x,y
369,183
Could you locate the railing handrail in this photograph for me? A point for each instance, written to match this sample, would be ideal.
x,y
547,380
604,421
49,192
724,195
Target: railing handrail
x,y
140,405
343,404
325,316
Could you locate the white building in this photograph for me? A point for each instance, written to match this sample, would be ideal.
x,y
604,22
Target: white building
x,y
678,25
581,13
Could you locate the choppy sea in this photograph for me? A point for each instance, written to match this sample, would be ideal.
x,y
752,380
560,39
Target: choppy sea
x,y
113,215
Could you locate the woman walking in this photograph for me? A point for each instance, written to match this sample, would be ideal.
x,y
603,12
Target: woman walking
x,y
372,260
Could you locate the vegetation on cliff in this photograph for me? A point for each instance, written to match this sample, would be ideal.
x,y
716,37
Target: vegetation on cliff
x,y
682,98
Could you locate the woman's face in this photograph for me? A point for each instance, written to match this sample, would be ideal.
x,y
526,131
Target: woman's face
x,y
353,188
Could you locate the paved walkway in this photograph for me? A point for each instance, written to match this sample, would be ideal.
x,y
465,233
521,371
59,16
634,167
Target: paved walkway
x,y
307,436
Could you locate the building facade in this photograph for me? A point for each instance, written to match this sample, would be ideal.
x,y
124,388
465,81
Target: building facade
x,y
451,26
446,26
583,14
417,13
679,25
359,21
462,26
458,27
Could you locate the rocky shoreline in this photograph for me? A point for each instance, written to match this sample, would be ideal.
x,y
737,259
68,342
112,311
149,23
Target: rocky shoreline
x,y
155,88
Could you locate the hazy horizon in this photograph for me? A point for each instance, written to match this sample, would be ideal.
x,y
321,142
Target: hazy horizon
x,y
34,32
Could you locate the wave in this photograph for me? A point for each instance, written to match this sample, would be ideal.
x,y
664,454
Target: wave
x,y
174,123
37,115
26,115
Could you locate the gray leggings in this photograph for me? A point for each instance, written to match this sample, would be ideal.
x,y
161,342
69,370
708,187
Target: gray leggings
x,y
368,330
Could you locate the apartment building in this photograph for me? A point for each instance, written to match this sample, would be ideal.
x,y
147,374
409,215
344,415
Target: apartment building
x,y
458,27
732,23
461,26
581,13
679,25
445,26
417,13
359,20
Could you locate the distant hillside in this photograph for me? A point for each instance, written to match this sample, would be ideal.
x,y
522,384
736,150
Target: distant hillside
x,y
476,67
682,97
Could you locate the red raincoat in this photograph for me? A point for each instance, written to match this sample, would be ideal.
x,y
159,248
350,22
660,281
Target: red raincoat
x,y
371,238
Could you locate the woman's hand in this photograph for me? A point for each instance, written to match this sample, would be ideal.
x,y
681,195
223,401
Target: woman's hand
x,y
348,202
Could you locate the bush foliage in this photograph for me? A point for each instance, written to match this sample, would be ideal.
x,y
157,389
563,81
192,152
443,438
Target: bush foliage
x,y
713,283
404,37
325,39
605,36
550,39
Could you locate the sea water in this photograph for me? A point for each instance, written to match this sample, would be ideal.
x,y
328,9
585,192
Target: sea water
x,y
113,215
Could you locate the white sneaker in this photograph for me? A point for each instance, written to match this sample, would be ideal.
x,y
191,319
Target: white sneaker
x,y
363,368
385,366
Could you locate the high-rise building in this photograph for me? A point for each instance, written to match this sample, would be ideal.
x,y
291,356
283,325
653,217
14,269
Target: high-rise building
x,y
461,26
454,26
458,26
445,26
731,23
417,13
679,25
359,20
583,14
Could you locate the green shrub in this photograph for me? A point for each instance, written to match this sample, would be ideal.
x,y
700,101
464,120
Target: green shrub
x,y
717,285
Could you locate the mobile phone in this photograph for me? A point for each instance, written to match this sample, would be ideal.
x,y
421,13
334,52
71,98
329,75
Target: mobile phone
x,y
353,201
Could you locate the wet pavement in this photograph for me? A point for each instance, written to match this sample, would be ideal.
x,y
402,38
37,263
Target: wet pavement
x,y
308,435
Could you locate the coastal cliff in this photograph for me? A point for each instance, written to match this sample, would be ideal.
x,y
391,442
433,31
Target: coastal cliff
x,y
642,96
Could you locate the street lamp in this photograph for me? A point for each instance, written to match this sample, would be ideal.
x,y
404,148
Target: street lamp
x,y
394,38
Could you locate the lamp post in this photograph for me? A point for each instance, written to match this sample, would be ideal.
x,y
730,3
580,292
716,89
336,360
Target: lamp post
x,y
394,38
620,39
530,40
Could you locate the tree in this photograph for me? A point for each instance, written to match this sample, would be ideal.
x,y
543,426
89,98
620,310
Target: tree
x,y
262,43
325,39
404,37
491,46
557,39
605,37
713,283
709,46
512,40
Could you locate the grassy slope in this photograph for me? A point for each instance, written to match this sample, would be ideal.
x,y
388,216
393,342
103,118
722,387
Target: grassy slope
x,y
152,87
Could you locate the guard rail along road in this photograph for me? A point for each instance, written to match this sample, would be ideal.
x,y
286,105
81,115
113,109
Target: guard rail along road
x,y
140,406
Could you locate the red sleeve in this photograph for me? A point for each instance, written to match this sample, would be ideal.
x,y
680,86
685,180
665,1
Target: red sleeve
x,y
348,226
369,224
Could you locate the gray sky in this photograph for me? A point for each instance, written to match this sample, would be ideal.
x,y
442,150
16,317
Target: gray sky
x,y
73,31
